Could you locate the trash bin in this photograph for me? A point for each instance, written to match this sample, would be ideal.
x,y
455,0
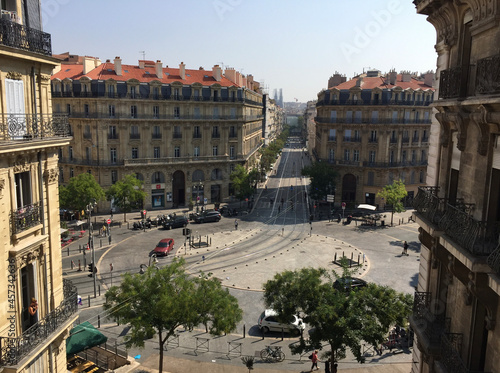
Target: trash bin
x,y
382,223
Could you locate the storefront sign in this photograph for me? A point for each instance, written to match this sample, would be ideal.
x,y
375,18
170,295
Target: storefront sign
x,y
158,186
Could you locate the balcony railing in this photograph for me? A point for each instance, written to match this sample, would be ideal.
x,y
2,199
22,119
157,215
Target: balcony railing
x,y
28,127
450,83
176,117
135,136
487,77
451,344
13,350
425,322
177,135
339,120
455,219
165,160
196,135
494,260
25,217
156,136
26,38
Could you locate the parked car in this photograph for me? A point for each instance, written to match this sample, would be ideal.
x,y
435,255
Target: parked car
x,y
177,222
268,322
164,247
207,216
348,284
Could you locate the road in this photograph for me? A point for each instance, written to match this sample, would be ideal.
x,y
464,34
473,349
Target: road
x,y
274,236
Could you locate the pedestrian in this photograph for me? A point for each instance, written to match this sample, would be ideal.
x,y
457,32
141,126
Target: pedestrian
x,y
335,366
405,249
235,224
327,366
314,359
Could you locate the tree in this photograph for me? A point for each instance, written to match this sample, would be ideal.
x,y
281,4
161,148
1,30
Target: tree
x,y
393,195
161,300
80,191
342,319
323,180
126,194
243,181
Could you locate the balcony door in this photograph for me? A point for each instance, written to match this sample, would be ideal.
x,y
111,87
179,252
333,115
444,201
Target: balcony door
x,y
14,93
28,286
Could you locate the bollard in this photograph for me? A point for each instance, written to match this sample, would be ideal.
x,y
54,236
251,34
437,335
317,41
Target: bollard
x,y
335,258
109,240
364,256
98,321
128,225
99,287
282,231
343,255
68,250
72,264
79,248
100,242
120,224
263,334
358,259
244,330
210,241
79,266
89,300
282,333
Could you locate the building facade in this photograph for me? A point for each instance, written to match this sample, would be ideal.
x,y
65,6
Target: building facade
x,y
374,129
274,119
32,334
180,131
456,309
310,115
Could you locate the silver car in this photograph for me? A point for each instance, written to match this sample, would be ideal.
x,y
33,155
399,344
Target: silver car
x,y
268,322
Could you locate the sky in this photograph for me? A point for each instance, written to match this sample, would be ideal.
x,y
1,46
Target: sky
x,y
295,45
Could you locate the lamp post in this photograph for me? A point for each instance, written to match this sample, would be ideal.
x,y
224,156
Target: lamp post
x,y
143,267
89,208
198,187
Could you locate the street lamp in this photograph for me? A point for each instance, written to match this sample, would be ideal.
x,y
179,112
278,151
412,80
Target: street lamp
x,y
198,188
89,208
144,267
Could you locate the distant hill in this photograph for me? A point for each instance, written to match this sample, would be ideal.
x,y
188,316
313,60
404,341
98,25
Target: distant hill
x,y
295,107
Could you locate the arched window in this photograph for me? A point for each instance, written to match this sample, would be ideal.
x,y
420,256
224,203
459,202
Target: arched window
x,y
198,175
216,174
157,177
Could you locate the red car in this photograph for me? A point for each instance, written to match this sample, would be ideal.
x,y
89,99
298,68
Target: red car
x,y
164,247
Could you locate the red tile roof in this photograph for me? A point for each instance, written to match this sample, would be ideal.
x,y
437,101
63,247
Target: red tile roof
x,y
380,82
107,71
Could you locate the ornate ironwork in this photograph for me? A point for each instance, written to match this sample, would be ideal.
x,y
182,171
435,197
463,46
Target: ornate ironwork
x,y
25,217
451,344
13,350
15,35
428,204
33,127
488,75
430,324
450,82
494,260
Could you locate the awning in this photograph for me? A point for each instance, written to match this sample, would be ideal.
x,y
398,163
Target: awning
x,y
63,230
367,207
83,336
79,222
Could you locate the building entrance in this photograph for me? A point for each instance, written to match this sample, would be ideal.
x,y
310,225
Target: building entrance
x,y
179,188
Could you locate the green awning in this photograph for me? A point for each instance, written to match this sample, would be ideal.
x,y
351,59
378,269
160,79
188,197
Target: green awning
x,y
83,336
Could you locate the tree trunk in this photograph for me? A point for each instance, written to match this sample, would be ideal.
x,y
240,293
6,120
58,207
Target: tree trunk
x,y
125,217
392,216
160,367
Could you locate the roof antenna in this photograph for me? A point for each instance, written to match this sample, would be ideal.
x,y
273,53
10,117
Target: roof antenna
x,y
143,54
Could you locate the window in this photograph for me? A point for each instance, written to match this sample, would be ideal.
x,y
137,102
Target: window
x,y
232,131
132,92
71,173
346,154
407,117
216,113
111,91
177,151
114,176
86,110
157,177
413,155
333,116
156,93
112,155
215,150
347,135
394,138
177,132
196,113
233,113
394,116
112,132
348,116
156,112
331,156
231,152
371,156
403,156
177,96
391,157
196,151
88,153
60,153
332,135
134,133
421,177
86,132
111,111
133,111
135,153
215,132
156,132
422,156
374,117
23,189
70,150
355,156
357,117
156,152
196,132
68,109
373,136
177,112
357,136
371,178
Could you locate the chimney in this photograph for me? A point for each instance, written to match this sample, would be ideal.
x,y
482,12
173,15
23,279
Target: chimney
x,y
118,66
335,80
182,70
97,62
393,77
88,65
429,79
142,63
217,73
159,69
406,76
359,82
230,73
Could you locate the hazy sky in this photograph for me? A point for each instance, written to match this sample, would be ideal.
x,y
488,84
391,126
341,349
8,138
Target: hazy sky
x,y
291,44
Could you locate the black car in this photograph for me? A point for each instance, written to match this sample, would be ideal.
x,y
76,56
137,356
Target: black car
x,y
177,222
348,284
207,216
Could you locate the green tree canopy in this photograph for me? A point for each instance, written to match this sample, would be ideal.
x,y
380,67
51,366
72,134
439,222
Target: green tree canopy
x,y
393,195
161,300
126,194
323,180
243,181
80,191
344,320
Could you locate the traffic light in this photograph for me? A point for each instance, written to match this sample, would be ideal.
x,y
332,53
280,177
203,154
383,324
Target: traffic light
x,y
91,269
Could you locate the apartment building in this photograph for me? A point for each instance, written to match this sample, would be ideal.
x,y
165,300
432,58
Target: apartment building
x,y
180,131
274,119
310,125
456,304
374,129
32,334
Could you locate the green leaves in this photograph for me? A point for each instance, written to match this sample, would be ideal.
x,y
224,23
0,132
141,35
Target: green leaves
x,y
393,195
323,180
127,193
80,190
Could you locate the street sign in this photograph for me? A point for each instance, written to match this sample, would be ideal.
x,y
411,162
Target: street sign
x,y
205,201
343,205
109,221
110,266
330,198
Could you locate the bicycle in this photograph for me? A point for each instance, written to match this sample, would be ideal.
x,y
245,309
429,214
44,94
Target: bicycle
x,y
272,354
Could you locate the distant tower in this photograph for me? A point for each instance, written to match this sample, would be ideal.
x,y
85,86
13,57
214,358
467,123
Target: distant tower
x,y
280,101
275,95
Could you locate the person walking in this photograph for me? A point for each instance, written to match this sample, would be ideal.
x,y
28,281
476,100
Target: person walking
x,y
314,359
235,224
405,249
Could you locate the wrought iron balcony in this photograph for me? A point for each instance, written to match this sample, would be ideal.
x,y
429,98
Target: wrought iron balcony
x,y
28,127
156,136
487,78
18,36
494,260
177,135
455,219
135,136
25,217
14,349
450,83
197,135
451,344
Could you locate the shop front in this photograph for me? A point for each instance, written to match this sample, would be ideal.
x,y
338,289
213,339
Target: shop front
x,y
158,196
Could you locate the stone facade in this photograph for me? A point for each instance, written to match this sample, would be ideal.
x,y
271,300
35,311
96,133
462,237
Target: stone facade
x,y
274,119
180,131
374,129
30,137
456,309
